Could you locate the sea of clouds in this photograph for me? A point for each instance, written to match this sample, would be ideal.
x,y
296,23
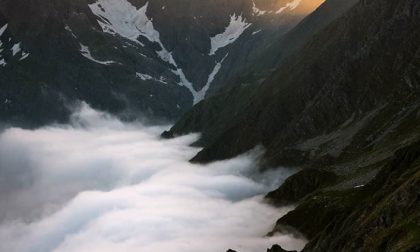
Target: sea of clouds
x,y
98,184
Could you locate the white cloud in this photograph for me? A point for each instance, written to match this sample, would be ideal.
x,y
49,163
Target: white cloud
x,y
102,185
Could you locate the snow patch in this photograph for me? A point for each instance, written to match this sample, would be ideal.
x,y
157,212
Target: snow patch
x,y
24,56
3,29
359,186
202,93
67,28
162,80
187,84
87,54
232,32
256,32
144,76
256,11
291,5
408,81
16,49
86,51
148,77
119,17
122,18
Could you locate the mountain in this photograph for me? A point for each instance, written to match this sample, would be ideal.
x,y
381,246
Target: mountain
x,y
331,87
320,99
130,58
272,55
381,215
345,108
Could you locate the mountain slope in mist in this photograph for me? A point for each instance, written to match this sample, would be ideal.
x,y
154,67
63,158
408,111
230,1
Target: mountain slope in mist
x,y
99,184
346,105
324,95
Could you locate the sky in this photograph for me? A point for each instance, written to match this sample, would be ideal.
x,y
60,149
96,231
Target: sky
x,y
98,184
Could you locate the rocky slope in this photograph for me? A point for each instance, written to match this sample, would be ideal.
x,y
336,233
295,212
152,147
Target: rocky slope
x,y
339,95
382,215
153,58
276,51
346,108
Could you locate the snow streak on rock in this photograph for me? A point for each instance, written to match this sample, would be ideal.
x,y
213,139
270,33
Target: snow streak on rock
x,y
256,32
122,18
232,32
217,67
2,61
256,11
15,49
119,17
186,83
146,77
3,29
87,54
291,5
24,56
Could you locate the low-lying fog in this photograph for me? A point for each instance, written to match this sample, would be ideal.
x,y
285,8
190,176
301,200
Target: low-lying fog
x,y
102,185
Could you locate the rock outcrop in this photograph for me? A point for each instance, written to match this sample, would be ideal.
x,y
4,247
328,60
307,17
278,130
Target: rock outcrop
x,y
278,248
300,185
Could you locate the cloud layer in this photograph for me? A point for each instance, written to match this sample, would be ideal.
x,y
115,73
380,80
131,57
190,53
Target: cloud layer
x,y
102,185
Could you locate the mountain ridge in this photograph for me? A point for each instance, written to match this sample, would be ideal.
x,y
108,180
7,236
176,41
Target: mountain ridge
x,y
345,108
279,104
126,57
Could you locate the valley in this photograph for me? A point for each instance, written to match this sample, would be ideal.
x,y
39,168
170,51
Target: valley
x,y
189,125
